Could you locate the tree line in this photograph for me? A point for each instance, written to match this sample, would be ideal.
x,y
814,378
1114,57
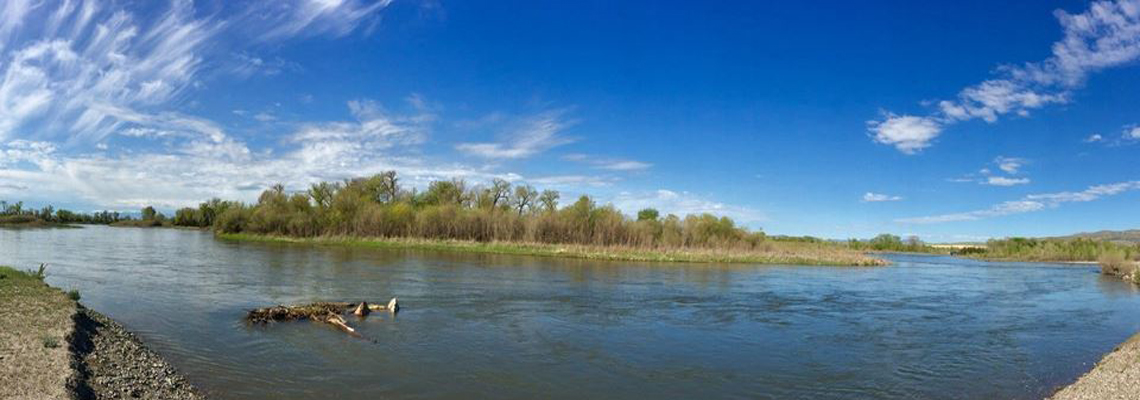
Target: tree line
x,y
378,206
17,213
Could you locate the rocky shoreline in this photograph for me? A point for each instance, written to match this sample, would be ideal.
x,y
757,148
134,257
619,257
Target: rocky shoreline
x,y
1116,376
110,362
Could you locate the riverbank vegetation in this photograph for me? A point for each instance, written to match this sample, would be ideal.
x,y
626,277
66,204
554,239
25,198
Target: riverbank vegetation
x,y
892,243
1119,265
500,218
778,253
1063,250
16,215
148,218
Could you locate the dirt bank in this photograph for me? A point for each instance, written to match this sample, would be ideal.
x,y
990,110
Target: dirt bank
x,y
53,348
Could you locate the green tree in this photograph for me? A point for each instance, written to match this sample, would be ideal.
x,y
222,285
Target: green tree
x,y
446,192
549,200
148,213
648,214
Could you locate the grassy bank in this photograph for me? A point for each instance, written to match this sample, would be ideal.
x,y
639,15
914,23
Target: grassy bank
x,y
1054,250
23,221
37,319
777,253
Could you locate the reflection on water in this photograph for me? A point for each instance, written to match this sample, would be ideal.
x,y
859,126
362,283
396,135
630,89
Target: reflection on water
x,y
523,327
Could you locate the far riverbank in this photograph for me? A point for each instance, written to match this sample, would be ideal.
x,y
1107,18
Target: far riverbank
x,y
777,253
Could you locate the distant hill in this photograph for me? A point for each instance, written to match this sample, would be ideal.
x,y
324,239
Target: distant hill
x,y
1131,236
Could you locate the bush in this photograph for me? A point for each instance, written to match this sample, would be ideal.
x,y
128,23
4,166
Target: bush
x,y
1112,263
73,294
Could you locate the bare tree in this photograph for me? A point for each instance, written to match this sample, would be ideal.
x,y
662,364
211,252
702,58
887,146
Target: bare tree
x,y
524,197
500,191
389,188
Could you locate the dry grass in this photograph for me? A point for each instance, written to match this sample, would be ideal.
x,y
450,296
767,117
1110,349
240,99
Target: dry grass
x,y
771,253
36,320
1114,264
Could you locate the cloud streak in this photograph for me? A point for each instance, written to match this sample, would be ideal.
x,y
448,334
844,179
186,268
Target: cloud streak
x,y
1104,36
683,203
870,197
528,137
1030,203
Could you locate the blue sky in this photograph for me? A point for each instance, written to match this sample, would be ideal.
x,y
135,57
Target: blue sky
x,y
953,121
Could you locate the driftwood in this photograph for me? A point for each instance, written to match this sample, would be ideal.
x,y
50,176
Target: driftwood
x,y
327,312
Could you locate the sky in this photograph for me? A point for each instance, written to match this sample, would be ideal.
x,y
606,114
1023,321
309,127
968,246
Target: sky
x,y
953,121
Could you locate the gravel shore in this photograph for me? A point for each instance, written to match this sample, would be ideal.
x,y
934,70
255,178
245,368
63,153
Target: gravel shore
x,y
111,363
1116,376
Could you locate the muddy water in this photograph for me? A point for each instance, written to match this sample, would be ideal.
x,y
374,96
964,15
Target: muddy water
x,y
479,326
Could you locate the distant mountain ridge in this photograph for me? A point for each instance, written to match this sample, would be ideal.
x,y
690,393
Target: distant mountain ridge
x,y
1131,236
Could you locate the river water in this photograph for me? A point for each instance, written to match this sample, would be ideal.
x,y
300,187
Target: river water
x,y
487,326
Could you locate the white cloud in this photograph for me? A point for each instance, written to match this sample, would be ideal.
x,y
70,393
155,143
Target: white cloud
x,y
312,17
264,117
1094,138
1004,181
1106,35
610,164
625,165
528,137
1011,165
909,134
870,197
683,203
1031,203
64,83
59,78
1132,132
571,181
204,162
245,65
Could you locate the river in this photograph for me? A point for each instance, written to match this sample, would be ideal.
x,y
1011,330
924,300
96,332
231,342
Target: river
x,y
514,327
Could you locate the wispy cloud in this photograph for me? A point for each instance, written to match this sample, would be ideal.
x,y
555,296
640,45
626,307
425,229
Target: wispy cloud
x,y
611,164
683,203
1011,166
1106,35
1004,181
1129,135
870,197
1030,203
572,181
312,17
527,137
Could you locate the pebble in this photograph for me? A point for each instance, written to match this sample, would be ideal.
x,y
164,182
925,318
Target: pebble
x,y
120,366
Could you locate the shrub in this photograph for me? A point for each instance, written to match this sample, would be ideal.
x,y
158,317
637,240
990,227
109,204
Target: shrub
x,y
39,273
1112,263
73,294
